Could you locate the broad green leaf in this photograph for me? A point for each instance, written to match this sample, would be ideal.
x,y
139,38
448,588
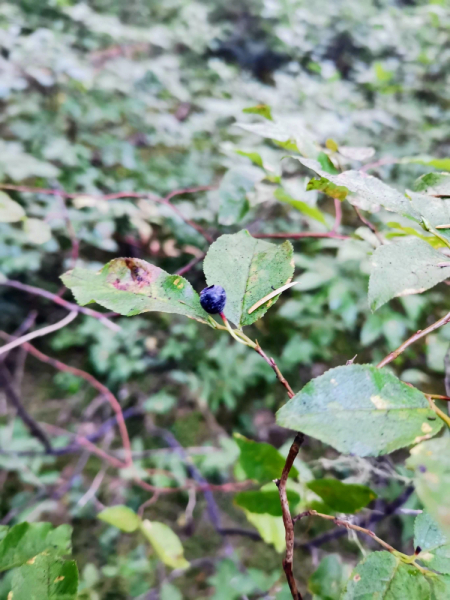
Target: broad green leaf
x,y
327,187
303,207
131,286
362,410
45,578
430,461
327,580
165,543
430,161
409,266
433,184
342,497
260,461
433,543
248,269
121,517
233,191
37,231
264,501
10,210
260,109
25,540
440,587
270,528
382,576
366,191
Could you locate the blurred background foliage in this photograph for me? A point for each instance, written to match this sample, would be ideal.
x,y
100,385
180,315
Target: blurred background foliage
x,y
109,96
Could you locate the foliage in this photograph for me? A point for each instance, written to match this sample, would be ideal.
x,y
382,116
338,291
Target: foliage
x,y
140,141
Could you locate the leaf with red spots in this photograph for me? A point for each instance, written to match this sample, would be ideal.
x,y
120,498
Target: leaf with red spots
x,y
131,286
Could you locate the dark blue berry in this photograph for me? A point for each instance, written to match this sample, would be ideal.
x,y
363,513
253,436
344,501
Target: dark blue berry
x,y
213,299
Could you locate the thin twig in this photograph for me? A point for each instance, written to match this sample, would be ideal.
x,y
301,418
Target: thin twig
x,y
274,366
84,443
34,428
441,414
347,525
190,264
287,519
417,336
54,298
118,195
368,224
338,215
94,487
115,405
39,332
389,510
379,163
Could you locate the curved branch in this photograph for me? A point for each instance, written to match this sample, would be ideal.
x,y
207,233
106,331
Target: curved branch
x,y
58,300
417,336
39,332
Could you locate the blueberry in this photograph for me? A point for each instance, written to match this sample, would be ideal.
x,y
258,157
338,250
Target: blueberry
x,y
213,299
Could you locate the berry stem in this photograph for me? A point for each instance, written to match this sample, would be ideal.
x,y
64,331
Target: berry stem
x,y
230,330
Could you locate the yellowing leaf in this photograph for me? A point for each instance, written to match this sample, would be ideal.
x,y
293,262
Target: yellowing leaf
x,y
165,543
131,286
121,517
10,211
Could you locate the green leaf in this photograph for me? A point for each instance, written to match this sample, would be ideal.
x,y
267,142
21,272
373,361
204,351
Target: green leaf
x,y
253,156
440,587
260,461
326,164
303,207
25,540
435,210
366,191
260,109
233,191
382,576
45,578
429,161
264,501
433,184
432,478
10,210
37,231
131,286
170,592
327,187
362,410
292,137
248,269
433,543
121,517
409,266
342,497
165,543
326,581
270,528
